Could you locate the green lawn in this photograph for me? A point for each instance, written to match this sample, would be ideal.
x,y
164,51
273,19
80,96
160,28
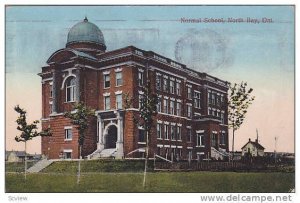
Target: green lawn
x,y
157,182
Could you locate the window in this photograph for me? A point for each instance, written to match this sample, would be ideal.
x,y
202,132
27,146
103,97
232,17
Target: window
x,y
141,98
166,106
68,133
158,82
119,101
172,108
197,100
50,91
172,88
68,155
173,135
209,98
222,118
222,99
222,138
166,126
214,137
178,133
119,80
158,107
189,134
178,89
165,86
106,81
70,89
50,107
142,137
200,140
213,99
189,92
159,131
141,79
107,102
189,111
218,99
178,109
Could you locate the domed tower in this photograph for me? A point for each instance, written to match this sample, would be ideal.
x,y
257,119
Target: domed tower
x,y
86,37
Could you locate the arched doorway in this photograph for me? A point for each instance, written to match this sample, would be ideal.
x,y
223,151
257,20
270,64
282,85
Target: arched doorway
x,y
111,137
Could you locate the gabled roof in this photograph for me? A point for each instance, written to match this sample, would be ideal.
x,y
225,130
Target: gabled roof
x,y
255,144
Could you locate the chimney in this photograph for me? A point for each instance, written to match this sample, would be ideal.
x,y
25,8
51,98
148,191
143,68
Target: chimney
x,y
256,140
249,139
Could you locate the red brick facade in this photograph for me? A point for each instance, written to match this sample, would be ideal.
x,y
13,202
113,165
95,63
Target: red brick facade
x,y
207,123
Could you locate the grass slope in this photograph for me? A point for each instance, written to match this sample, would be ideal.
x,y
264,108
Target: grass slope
x,y
157,182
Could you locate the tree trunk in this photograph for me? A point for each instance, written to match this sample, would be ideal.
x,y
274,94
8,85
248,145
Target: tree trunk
x,y
25,169
146,158
232,143
78,173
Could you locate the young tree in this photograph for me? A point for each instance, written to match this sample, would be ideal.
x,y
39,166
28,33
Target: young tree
x,y
145,118
28,131
79,118
239,101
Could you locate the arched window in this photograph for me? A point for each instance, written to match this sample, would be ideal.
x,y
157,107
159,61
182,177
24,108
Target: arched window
x,y
70,89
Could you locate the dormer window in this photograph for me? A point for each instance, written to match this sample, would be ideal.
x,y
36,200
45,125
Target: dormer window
x,y
70,89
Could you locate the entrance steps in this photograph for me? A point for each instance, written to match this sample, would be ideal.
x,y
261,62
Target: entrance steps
x,y
105,153
218,155
40,165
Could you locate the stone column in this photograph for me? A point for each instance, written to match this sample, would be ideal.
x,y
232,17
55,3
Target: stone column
x,y
119,144
77,73
54,92
100,144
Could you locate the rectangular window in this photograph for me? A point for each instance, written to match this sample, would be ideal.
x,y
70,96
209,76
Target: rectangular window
x,y
189,111
173,135
107,102
209,97
158,105
222,118
50,107
178,133
200,140
158,82
172,88
106,81
166,131
189,92
178,88
141,79
68,133
159,131
119,101
166,106
165,85
67,155
142,136
222,99
214,137
119,80
213,99
50,91
172,108
197,100
189,134
218,99
178,109
222,138
141,98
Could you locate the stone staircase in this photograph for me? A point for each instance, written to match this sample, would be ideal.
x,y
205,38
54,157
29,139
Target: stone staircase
x,y
218,155
105,153
40,165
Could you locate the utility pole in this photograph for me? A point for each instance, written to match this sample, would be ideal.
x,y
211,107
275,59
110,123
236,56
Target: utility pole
x,y
275,151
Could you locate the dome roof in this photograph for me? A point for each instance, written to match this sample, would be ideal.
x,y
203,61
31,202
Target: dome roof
x,y
85,32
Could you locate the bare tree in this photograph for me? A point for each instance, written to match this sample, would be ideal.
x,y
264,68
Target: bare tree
x,y
28,131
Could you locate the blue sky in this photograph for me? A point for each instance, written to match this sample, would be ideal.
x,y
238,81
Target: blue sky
x,y
261,54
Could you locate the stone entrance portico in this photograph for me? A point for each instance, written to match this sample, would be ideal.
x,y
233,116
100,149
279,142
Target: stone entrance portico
x,y
106,120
